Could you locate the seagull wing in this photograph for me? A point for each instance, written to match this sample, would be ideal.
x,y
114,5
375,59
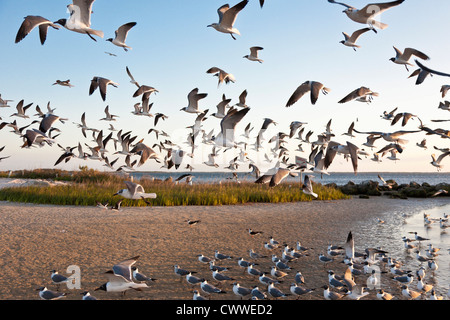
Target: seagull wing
x,y
354,155
342,4
254,51
132,78
299,93
124,268
230,15
431,71
229,122
375,9
30,23
442,156
315,91
409,52
243,96
355,35
85,10
122,32
222,10
278,177
349,246
355,94
94,85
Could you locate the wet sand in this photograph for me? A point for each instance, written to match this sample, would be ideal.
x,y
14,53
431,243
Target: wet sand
x,y
35,239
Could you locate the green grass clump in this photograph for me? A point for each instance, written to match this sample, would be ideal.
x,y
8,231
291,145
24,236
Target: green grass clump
x,y
91,190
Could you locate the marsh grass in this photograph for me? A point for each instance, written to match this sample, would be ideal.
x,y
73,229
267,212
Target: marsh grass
x,y
89,187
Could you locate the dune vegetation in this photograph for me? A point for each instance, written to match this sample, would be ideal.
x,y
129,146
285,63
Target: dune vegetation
x,y
87,187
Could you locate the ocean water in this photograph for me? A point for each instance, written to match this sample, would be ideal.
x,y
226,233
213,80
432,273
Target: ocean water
x,y
338,178
403,221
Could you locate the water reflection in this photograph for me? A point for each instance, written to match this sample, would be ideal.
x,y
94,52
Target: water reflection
x,y
404,221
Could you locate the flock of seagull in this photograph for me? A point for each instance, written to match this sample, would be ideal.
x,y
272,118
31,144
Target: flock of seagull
x,y
276,272
322,152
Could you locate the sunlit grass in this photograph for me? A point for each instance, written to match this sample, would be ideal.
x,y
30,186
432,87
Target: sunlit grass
x,y
89,187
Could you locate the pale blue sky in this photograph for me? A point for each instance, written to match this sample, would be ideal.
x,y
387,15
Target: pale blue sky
x,y
173,48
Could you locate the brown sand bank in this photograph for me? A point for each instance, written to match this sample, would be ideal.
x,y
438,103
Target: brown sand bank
x,y
36,239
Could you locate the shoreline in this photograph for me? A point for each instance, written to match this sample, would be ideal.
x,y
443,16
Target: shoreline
x,y
38,238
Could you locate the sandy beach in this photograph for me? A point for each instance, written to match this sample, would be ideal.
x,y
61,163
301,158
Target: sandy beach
x,y
36,239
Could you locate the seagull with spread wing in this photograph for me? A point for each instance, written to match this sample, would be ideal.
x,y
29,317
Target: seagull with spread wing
x,y
312,87
227,18
367,14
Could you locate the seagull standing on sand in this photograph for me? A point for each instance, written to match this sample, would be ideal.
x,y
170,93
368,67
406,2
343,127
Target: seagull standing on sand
x,y
46,294
121,35
227,18
87,296
382,295
330,295
241,291
58,279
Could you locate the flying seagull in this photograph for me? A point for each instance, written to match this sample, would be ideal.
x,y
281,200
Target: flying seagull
x,y
193,98
253,56
350,41
437,162
32,22
103,83
226,137
313,87
227,18
134,191
404,57
360,93
65,83
120,278
121,35
391,137
222,75
431,71
367,14
307,187
80,18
